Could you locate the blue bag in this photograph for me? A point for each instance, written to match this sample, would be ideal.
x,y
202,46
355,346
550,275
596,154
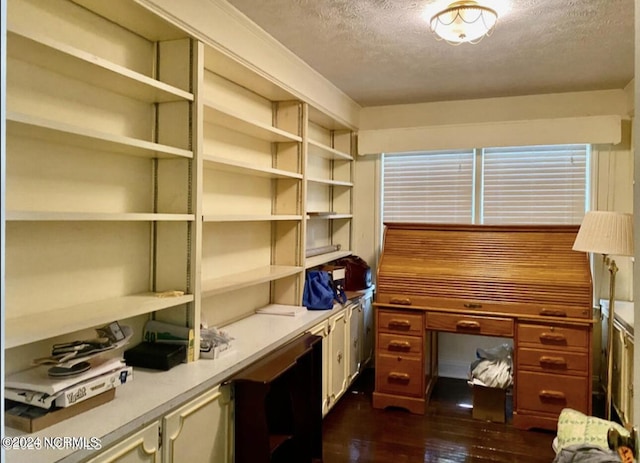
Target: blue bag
x,y
318,291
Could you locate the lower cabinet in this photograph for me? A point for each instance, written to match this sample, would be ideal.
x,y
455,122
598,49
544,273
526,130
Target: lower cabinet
x,y
141,446
198,431
622,376
360,334
339,349
367,335
347,347
322,330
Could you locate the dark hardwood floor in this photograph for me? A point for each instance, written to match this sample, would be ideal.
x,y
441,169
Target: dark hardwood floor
x,y
354,431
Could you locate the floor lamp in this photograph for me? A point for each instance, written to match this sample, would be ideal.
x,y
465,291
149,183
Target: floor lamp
x,y
610,234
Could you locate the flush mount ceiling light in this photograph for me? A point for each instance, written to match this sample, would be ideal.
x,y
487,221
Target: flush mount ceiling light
x,y
463,22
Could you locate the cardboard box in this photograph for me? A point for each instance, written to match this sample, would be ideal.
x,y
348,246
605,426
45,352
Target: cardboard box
x,y
30,419
489,404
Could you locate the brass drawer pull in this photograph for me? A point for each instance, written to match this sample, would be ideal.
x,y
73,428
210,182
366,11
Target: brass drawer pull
x,y
400,324
553,337
468,325
552,395
399,377
473,305
400,301
553,361
553,312
399,345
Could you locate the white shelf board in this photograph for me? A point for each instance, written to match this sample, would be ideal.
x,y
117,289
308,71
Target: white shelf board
x,y
219,61
229,119
41,216
135,17
325,181
58,132
320,117
80,65
328,216
230,165
36,327
248,278
249,218
324,151
324,258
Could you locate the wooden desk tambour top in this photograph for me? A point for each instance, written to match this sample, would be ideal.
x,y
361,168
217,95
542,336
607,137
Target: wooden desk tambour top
x,y
523,282
521,270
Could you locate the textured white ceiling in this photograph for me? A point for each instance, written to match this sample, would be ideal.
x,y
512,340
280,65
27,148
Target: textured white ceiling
x,y
381,52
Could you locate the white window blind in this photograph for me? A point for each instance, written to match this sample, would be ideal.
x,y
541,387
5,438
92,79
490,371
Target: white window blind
x,y
536,184
428,187
516,185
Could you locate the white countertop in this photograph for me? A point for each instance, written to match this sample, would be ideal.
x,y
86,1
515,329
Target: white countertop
x,y
152,394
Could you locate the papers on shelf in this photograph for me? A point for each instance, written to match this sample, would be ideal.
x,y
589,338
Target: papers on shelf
x,y
76,393
38,379
286,310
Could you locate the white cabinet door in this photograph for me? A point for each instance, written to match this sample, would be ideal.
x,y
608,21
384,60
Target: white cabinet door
x,y
140,447
356,329
367,343
623,373
201,430
322,330
338,348
629,347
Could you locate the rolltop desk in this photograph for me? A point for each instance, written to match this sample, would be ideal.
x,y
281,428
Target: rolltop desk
x,y
520,282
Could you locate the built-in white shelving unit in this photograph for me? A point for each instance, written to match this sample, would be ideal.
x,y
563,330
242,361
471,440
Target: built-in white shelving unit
x,y
252,207
99,207
329,189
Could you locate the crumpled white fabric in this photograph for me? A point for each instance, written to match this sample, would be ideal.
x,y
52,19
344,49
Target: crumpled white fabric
x,y
493,367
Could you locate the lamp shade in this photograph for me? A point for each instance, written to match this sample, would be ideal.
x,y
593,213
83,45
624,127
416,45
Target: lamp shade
x,y
606,232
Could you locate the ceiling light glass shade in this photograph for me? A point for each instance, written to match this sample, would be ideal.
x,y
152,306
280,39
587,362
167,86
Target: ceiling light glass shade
x,y
464,21
605,232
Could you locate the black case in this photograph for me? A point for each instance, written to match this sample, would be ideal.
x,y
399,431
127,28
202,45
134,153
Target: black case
x,y
155,355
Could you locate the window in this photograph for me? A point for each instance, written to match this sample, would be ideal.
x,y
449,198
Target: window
x,y
516,185
428,187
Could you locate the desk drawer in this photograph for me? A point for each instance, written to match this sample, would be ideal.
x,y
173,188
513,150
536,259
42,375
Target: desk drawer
x,y
549,361
469,324
396,344
550,393
397,374
394,321
549,335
